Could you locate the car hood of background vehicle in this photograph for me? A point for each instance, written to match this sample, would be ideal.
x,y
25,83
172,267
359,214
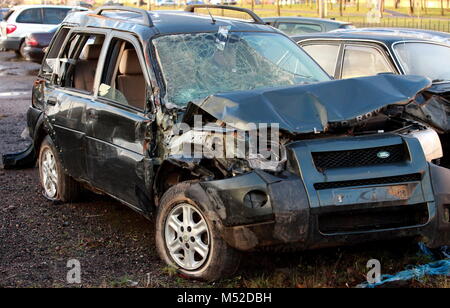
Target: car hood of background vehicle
x,y
313,107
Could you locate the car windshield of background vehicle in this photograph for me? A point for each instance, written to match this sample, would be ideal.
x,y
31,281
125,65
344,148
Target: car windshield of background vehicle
x,y
197,65
425,59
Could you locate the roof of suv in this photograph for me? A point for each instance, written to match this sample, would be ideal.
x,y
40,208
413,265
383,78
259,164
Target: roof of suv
x,y
168,22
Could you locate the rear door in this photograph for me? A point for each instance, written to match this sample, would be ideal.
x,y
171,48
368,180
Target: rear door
x,y
72,88
117,124
326,54
364,59
28,21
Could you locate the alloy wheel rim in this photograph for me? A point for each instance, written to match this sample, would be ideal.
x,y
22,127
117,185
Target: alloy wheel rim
x,y
49,173
187,236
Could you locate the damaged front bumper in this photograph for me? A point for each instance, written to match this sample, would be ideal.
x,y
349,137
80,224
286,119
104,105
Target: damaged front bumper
x,y
307,208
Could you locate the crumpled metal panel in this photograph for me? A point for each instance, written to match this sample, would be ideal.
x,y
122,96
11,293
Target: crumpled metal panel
x,y
312,108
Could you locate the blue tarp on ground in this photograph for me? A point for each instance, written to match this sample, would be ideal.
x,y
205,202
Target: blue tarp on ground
x,y
441,267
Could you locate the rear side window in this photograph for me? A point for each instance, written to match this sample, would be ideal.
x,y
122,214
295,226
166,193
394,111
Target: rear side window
x,y
77,65
361,61
324,54
54,16
30,16
49,64
298,28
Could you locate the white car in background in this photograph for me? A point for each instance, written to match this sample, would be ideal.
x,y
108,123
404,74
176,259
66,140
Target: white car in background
x,y
25,19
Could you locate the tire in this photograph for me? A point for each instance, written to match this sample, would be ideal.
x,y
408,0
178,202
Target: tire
x,y
21,52
221,261
62,187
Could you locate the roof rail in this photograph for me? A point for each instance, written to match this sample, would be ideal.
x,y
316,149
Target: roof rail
x,y
145,15
191,8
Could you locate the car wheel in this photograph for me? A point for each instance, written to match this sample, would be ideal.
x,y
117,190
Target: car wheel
x,y
57,185
187,240
22,50
19,51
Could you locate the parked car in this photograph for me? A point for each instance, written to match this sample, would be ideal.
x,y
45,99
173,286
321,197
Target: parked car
x,y
166,3
25,19
223,2
194,2
112,112
306,25
36,44
349,54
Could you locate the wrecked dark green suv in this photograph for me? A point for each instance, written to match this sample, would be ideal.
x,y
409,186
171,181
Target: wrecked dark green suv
x,y
164,110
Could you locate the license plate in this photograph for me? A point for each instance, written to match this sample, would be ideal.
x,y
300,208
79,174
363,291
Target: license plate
x,y
372,194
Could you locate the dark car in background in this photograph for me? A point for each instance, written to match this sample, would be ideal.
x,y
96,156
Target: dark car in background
x,y
35,45
350,54
305,25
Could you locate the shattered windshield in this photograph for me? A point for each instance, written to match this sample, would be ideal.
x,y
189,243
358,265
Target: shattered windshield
x,y
198,65
425,59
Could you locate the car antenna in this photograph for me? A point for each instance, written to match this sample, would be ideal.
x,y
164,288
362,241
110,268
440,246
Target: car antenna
x,y
212,18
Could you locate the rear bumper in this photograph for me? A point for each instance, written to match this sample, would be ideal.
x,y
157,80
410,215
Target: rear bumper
x,y
10,43
35,54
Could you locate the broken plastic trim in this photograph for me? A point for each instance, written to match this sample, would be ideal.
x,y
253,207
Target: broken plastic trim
x,y
24,159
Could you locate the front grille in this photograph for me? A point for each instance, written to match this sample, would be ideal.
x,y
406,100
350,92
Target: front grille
x,y
359,158
377,181
361,220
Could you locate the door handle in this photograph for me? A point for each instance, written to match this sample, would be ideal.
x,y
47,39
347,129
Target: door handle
x,y
52,101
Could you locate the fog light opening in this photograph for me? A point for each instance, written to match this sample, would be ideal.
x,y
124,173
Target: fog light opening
x,y
255,199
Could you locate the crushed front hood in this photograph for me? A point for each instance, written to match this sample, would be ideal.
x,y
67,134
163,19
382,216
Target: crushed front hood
x,y
313,107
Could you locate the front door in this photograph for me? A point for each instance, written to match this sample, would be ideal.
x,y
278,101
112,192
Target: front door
x,y
117,124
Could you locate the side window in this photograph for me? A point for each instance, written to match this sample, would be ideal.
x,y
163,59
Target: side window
x,y
297,28
360,61
77,64
324,54
49,64
54,16
123,79
30,16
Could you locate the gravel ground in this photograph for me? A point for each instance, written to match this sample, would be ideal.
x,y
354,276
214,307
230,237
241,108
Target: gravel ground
x,y
115,246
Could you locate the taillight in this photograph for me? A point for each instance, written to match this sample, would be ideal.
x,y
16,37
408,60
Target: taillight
x,y
31,41
10,29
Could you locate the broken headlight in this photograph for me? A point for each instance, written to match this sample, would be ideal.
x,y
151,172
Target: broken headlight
x,y
215,142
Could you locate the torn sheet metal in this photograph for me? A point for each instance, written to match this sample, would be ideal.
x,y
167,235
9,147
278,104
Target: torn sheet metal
x,y
312,108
